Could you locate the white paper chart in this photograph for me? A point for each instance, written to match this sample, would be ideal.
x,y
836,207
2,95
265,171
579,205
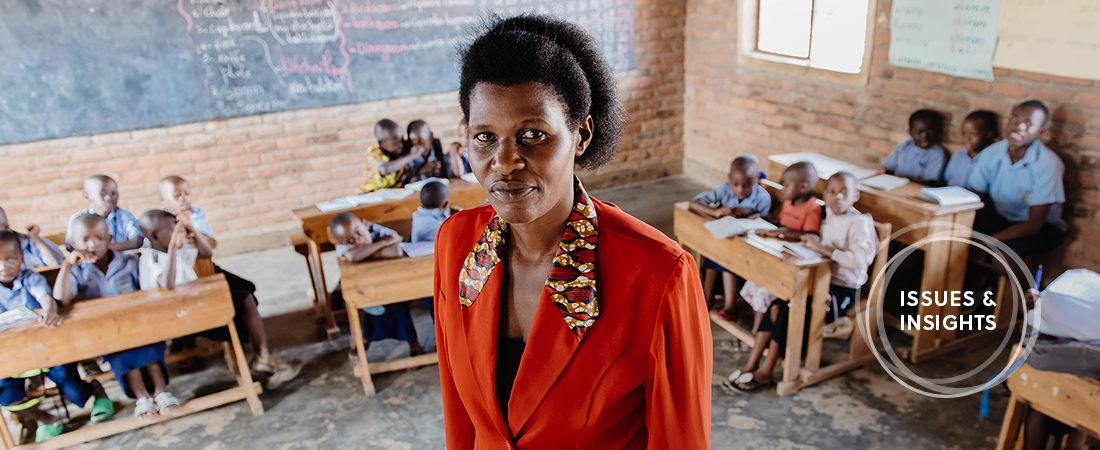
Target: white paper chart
x,y
954,37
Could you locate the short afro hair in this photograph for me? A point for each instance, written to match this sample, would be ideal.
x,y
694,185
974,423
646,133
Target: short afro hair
x,y
934,118
434,194
558,54
988,119
11,237
1036,105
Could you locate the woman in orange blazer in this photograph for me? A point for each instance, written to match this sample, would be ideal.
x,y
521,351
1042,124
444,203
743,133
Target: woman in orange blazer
x,y
562,321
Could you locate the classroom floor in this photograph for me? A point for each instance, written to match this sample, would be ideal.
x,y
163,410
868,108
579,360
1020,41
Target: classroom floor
x,y
325,407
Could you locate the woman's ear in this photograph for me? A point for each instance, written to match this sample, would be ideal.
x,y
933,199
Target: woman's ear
x,y
584,131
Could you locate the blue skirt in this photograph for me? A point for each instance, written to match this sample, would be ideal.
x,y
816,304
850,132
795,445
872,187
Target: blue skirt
x,y
133,359
395,323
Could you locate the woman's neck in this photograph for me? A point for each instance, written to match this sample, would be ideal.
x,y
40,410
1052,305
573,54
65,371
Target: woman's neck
x,y
535,240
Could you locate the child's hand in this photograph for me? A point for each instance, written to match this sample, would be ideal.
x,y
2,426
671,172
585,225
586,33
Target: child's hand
x,y
50,318
391,239
431,167
455,209
1032,297
179,235
80,256
418,151
742,212
814,242
767,233
34,232
723,211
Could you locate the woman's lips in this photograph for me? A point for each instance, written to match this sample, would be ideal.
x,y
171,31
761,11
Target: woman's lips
x,y
510,191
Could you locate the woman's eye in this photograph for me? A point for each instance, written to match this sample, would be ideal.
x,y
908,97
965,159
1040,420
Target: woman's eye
x,y
484,137
532,135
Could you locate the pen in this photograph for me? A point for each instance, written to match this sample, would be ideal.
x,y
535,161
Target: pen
x,y
1038,276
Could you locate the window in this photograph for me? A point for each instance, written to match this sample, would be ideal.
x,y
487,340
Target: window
x,y
832,35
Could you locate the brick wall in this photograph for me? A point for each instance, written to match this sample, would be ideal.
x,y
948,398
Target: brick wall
x,y
251,172
731,109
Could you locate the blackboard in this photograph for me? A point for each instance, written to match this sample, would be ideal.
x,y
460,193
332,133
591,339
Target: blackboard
x,y
74,67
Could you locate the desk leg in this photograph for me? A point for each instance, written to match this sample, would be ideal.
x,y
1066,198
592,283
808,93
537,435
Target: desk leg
x,y
1010,428
933,279
796,324
820,298
5,433
361,350
244,379
320,290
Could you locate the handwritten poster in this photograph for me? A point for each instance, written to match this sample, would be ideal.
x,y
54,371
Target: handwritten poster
x,y
1058,37
955,37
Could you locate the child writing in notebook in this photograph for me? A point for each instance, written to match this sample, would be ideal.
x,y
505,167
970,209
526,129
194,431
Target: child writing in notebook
x,y
435,207
357,240
94,270
979,130
741,197
101,192
37,252
175,193
920,159
849,240
22,287
800,215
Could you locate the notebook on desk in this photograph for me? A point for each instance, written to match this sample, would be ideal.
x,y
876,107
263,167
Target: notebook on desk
x,y
729,226
885,182
949,196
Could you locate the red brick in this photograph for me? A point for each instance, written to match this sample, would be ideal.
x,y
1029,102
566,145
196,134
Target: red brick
x,y
1068,80
1031,75
1087,99
1012,90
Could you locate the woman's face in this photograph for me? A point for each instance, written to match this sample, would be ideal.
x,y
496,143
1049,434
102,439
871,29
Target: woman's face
x,y
522,149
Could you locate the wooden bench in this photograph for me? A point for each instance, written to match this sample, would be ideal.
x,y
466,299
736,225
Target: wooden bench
x,y
384,282
944,260
1070,399
96,327
316,240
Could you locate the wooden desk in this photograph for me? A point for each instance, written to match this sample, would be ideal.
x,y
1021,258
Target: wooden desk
x,y
315,228
944,260
385,282
96,327
1070,399
796,282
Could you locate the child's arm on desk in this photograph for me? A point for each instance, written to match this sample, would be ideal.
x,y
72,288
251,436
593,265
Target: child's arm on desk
x,y
857,257
131,244
705,210
63,289
50,318
387,247
784,234
51,255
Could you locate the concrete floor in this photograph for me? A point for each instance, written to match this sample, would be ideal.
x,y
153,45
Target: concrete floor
x,y
325,407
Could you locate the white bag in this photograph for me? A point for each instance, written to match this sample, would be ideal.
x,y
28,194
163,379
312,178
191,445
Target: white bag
x,y
1070,307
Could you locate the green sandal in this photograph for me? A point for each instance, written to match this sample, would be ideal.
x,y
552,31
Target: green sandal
x,y
47,432
102,409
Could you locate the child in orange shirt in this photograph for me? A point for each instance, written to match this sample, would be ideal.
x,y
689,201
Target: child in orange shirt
x,y
800,215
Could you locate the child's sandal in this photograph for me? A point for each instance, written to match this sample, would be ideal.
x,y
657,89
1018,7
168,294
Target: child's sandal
x,y
165,400
145,408
46,432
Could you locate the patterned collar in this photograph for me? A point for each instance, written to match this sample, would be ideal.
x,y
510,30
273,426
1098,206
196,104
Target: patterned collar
x,y
572,282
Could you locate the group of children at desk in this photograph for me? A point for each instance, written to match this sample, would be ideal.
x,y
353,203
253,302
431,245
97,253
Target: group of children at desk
x,y
398,160
101,262
1019,176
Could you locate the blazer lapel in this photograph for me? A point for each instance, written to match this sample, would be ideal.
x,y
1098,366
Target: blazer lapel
x,y
481,323
551,347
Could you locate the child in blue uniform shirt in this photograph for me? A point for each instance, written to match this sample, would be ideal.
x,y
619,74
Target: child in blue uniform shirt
x,y
979,131
21,287
93,270
741,197
1022,180
101,192
435,207
357,240
920,159
37,252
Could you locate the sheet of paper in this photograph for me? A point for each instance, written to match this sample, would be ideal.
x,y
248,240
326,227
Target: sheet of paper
x,y
1057,37
470,177
950,195
729,226
955,37
770,245
16,317
365,199
414,249
420,184
885,182
394,194
824,165
333,205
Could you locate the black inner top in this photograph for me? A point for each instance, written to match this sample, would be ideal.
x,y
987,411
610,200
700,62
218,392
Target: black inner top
x,y
509,353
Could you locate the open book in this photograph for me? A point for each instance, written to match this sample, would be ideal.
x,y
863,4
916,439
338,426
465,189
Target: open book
x,y
949,195
790,250
417,186
378,196
729,226
16,317
414,249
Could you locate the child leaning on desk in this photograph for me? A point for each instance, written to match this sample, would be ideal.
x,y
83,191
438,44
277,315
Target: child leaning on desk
x,y
94,270
741,197
358,240
800,215
22,287
37,252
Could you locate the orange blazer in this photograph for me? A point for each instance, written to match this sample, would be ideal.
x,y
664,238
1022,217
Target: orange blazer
x,y
640,378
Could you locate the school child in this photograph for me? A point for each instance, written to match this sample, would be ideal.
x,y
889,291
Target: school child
x,y
387,163
849,240
742,197
979,130
800,215
37,252
175,193
460,161
94,270
920,159
169,259
19,287
101,192
1022,179
435,207
433,163
357,240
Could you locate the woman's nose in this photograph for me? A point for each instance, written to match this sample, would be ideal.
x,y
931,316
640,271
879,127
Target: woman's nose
x,y
507,160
